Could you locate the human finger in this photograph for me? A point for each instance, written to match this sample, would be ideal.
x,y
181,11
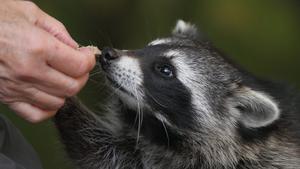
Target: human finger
x,y
58,84
43,46
42,99
70,61
31,113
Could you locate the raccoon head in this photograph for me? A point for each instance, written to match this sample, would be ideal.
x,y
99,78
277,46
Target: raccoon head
x,y
186,88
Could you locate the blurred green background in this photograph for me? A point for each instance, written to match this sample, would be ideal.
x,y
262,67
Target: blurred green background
x,y
261,35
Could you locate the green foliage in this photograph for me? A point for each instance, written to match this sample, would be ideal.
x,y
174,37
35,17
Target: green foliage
x,y
263,36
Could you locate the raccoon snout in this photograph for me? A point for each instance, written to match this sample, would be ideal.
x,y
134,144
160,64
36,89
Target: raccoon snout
x,y
108,54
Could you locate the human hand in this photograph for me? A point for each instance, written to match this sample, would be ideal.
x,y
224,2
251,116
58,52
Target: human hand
x,y
40,64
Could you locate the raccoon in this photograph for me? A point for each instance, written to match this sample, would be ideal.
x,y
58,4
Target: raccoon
x,y
179,103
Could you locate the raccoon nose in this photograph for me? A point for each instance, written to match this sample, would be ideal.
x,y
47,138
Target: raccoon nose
x,y
109,54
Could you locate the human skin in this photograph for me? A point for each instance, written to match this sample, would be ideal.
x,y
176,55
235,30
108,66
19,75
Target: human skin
x,y
40,64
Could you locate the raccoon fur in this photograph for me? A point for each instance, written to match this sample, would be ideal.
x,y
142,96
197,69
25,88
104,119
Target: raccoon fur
x,y
178,103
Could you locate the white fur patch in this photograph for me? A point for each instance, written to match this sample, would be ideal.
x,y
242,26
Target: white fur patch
x,y
159,42
173,53
195,83
184,29
130,66
128,74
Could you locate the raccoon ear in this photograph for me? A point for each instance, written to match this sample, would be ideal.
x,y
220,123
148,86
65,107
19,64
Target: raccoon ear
x,y
186,30
256,109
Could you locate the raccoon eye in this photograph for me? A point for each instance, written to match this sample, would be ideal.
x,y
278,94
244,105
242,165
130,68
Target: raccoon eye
x,y
165,70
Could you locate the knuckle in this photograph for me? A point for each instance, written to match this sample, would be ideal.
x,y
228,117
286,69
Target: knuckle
x,y
61,26
32,94
5,96
30,5
73,89
36,46
25,72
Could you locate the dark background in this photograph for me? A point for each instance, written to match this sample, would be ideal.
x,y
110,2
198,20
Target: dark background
x,y
261,35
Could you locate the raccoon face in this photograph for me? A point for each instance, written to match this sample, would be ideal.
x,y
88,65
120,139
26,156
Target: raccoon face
x,y
185,87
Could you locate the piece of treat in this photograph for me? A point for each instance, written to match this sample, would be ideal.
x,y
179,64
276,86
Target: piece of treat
x,y
95,50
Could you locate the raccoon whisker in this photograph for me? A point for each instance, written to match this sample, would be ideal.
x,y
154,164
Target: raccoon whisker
x,y
115,90
166,131
155,100
95,81
98,81
99,85
140,120
137,114
96,73
102,88
97,67
136,119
